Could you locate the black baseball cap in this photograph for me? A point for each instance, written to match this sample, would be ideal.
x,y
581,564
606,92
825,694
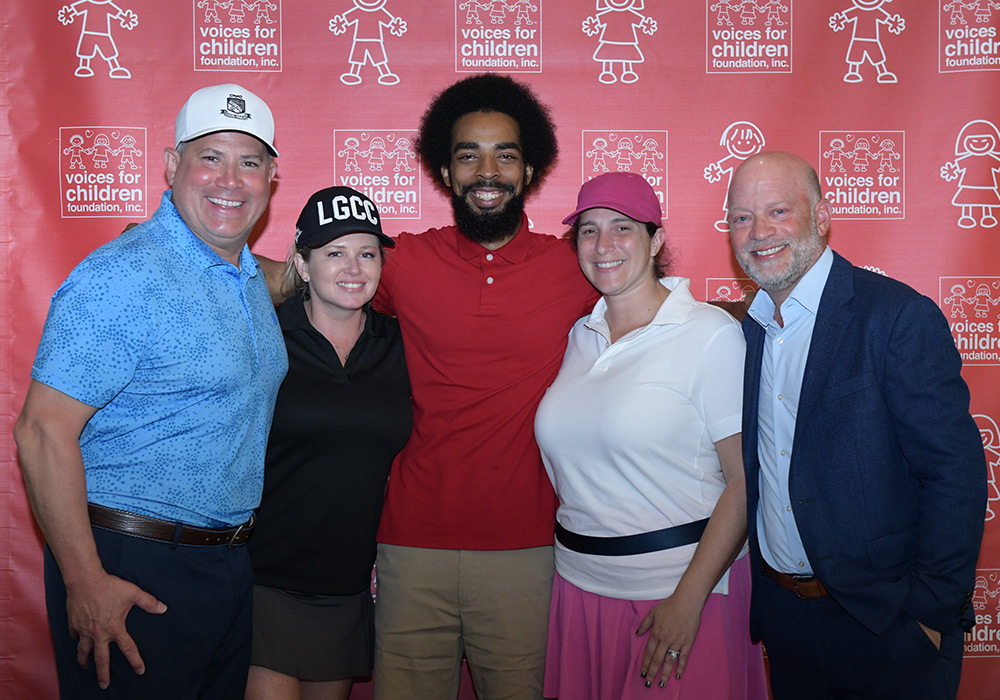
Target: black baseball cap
x,y
338,211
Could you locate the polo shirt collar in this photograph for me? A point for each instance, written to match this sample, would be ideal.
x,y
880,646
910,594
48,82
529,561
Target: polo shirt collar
x,y
194,248
292,317
807,293
673,311
514,251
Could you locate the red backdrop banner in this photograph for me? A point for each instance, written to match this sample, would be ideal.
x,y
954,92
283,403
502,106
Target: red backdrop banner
x,y
896,103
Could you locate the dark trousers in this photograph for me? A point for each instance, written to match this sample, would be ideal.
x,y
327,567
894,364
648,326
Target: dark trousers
x,y
198,648
816,650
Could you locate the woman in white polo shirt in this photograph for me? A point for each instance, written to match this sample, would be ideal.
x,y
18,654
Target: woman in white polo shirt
x,y
640,434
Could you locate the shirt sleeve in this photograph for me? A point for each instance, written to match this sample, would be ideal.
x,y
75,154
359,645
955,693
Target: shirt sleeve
x,y
717,384
95,332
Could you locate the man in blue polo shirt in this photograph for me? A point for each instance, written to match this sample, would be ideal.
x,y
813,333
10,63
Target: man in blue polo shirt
x,y
143,432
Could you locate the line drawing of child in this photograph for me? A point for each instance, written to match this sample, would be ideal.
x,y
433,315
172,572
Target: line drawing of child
x,y
472,9
376,153
350,154
722,9
958,301
368,45
861,155
212,7
991,446
95,35
101,151
977,163
402,154
886,154
128,151
75,150
741,140
650,154
624,154
866,18
599,153
618,21
836,155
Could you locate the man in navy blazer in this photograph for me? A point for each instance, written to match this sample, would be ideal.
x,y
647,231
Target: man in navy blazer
x,y
866,479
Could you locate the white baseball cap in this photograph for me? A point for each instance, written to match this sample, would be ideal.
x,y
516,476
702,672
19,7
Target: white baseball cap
x,y
226,107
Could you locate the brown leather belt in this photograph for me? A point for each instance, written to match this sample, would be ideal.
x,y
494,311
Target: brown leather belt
x,y
166,531
805,587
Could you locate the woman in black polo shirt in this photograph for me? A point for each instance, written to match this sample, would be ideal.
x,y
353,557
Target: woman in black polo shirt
x,y
342,414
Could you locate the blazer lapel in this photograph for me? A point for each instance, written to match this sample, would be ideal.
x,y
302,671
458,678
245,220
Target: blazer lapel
x,y
832,320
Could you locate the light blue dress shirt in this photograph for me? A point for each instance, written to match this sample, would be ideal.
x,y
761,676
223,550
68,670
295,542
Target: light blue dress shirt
x,y
785,351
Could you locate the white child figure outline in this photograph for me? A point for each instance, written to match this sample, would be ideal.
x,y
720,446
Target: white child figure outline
x,y
497,10
402,154
128,152
522,8
472,9
836,155
599,153
976,166
721,10
650,154
368,44
75,151
624,153
867,17
741,139
861,155
773,9
263,8
983,9
376,153
886,154
237,11
101,151
212,7
958,300
350,153
991,446
618,22
956,9
95,35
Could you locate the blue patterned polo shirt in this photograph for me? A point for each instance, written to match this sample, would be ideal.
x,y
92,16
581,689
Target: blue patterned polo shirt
x,y
182,355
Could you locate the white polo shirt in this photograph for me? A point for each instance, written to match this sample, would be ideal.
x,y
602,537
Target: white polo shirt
x,y
627,434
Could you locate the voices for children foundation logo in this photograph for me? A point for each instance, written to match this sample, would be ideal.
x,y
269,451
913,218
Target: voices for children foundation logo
x,y
970,305
627,151
383,164
498,36
748,36
967,36
237,35
102,171
984,639
862,173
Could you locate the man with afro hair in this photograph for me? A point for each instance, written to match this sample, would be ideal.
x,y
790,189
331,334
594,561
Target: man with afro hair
x,y
465,545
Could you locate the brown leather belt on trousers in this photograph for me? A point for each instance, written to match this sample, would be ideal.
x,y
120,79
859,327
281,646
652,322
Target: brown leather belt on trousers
x,y
165,531
805,587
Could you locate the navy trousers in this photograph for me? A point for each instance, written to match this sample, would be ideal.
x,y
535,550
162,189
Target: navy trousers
x,y
816,650
198,649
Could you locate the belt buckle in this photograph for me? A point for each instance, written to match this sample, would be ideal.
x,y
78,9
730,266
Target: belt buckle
x,y
249,526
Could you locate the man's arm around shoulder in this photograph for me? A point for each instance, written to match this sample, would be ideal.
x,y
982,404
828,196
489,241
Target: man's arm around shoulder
x,y
47,434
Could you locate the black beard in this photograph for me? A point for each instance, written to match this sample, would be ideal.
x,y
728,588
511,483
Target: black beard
x,y
491,226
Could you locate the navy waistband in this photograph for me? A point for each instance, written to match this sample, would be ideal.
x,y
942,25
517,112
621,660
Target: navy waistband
x,y
643,543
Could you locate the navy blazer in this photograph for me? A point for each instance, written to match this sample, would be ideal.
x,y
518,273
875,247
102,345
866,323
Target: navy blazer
x,y
888,474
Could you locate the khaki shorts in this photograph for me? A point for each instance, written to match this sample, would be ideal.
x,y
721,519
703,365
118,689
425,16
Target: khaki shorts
x,y
433,606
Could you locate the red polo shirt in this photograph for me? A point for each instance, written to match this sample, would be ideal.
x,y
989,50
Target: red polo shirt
x,y
484,333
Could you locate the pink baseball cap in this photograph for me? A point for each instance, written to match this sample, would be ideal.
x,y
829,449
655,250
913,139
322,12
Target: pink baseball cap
x,y
627,193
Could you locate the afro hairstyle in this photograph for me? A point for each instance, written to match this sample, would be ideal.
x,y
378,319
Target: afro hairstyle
x,y
487,93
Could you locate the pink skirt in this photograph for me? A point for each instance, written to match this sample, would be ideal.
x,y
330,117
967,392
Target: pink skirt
x,y
594,653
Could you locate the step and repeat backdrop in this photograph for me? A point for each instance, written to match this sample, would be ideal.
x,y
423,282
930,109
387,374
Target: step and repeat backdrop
x,y
896,103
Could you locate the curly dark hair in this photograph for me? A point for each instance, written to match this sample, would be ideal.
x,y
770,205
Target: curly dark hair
x,y
487,93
